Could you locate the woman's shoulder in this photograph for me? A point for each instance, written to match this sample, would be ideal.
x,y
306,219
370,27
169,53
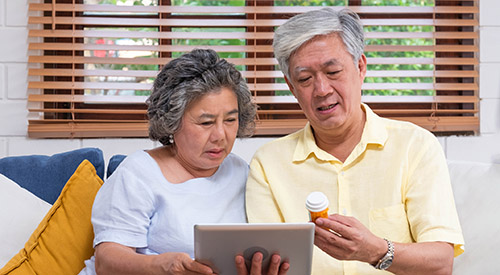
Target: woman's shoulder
x,y
135,158
136,163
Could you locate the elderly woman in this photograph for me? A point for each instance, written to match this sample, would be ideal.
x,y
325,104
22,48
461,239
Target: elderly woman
x,y
143,216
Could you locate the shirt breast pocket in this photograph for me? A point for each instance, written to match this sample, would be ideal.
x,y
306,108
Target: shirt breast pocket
x,y
391,223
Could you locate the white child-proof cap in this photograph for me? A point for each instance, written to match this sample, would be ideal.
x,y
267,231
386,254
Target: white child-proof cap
x,y
316,202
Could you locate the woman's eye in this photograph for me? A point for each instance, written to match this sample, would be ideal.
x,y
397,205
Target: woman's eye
x,y
231,119
207,123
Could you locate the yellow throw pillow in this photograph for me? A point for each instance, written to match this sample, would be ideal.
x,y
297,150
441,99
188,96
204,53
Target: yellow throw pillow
x,y
63,240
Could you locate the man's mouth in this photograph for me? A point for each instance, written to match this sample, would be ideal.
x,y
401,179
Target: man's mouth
x,y
325,108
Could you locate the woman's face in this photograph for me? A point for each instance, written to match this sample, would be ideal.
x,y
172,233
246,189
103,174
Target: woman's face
x,y
208,131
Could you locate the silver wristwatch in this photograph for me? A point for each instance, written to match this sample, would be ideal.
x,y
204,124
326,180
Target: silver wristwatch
x,y
387,259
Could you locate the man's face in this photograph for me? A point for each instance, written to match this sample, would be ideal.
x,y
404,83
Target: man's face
x,y
327,83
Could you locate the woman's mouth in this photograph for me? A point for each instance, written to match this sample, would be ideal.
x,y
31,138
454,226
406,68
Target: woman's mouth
x,y
215,152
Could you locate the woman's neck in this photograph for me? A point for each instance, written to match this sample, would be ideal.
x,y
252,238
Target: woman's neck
x,y
174,168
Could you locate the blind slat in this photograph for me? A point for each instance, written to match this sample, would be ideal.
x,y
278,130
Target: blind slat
x,y
235,35
144,22
239,61
246,9
253,87
229,48
247,74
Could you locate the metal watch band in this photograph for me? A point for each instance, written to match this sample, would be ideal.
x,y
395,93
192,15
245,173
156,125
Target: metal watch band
x,y
386,261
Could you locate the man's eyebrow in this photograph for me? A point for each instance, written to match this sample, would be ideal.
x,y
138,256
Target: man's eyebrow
x,y
330,62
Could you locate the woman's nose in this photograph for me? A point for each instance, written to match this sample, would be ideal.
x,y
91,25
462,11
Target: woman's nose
x,y
217,132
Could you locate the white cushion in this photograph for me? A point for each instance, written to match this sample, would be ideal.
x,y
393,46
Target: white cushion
x,y
476,187
20,214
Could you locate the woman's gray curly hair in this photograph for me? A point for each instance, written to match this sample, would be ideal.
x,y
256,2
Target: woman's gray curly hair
x,y
187,78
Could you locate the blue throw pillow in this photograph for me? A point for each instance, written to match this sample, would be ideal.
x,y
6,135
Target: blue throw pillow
x,y
114,161
45,176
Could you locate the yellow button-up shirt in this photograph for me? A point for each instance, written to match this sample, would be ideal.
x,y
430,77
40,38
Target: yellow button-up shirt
x,y
395,182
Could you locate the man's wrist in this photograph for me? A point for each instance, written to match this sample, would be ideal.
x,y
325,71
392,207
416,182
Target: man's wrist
x,y
386,260
379,252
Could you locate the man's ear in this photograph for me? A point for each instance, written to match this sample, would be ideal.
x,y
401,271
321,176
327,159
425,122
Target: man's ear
x,y
290,86
362,67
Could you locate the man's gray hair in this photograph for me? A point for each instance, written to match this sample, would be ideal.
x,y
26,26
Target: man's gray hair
x,y
303,27
187,78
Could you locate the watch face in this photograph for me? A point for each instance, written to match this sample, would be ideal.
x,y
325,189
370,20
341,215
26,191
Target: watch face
x,y
385,264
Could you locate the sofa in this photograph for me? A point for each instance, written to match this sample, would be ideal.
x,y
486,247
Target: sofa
x,y
46,202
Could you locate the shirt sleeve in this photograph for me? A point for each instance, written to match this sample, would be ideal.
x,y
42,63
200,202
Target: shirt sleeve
x,y
261,205
429,200
122,210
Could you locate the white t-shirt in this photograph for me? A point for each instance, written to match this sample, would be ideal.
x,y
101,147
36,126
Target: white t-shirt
x,y
138,207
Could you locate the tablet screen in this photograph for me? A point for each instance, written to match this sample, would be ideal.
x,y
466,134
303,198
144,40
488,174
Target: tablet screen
x,y
216,245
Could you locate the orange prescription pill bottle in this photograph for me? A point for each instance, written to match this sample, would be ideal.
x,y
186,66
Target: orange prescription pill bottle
x,y
317,204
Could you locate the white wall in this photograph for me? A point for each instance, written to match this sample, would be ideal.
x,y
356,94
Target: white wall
x,y
13,100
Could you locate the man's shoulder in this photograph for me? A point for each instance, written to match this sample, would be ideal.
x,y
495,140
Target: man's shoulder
x,y
410,134
405,128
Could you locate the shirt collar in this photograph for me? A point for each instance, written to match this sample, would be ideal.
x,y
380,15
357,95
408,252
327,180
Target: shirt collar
x,y
374,132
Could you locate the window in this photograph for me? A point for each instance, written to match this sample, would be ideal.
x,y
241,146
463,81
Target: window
x,y
92,62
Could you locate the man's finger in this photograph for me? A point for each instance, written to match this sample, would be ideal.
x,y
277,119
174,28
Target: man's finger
x,y
335,227
274,265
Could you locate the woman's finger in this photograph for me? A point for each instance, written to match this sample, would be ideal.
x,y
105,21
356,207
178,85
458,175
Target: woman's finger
x,y
256,268
241,267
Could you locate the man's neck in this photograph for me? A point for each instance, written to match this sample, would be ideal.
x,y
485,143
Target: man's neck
x,y
340,142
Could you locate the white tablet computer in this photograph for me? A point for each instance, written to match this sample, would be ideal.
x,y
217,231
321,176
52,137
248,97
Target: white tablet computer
x,y
216,245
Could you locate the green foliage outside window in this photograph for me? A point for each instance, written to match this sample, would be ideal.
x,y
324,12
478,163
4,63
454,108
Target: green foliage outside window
x,y
219,42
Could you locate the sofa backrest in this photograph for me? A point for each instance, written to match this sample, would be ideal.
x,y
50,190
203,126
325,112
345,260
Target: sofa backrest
x,y
45,176
113,163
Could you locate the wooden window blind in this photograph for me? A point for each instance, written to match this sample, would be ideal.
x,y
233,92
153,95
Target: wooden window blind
x,y
92,65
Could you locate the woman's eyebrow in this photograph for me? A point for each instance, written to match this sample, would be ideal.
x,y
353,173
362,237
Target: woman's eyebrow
x,y
208,115
234,111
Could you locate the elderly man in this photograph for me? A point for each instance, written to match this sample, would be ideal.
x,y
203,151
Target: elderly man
x,y
387,181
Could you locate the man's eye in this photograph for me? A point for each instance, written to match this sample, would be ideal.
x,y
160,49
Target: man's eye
x,y
304,79
333,72
207,123
231,119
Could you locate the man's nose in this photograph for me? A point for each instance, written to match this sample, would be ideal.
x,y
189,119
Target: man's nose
x,y
322,86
